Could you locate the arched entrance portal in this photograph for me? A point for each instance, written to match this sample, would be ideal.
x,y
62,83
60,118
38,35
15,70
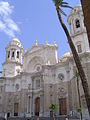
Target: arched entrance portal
x,y
62,106
37,106
16,105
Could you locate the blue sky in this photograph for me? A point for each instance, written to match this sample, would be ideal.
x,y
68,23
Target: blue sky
x,y
29,20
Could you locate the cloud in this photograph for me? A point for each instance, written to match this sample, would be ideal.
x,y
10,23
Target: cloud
x,y
7,25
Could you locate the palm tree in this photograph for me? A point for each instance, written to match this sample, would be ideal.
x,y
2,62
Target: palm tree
x,y
58,5
79,98
86,11
53,107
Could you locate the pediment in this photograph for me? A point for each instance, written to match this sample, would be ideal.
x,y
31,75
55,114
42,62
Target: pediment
x,y
35,49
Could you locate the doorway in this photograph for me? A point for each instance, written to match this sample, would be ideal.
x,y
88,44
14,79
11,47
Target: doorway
x,y
16,105
37,106
62,106
8,114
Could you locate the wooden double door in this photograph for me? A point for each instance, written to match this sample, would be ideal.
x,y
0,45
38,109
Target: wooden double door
x,y
37,106
16,106
62,106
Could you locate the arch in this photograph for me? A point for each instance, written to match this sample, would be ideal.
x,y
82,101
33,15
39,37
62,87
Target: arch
x,y
37,106
17,54
13,54
77,23
8,54
37,67
36,59
34,63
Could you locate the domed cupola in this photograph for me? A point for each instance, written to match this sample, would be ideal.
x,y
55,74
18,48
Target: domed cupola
x,y
14,51
15,42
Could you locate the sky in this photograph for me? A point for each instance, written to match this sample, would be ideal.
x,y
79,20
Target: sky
x,y
29,20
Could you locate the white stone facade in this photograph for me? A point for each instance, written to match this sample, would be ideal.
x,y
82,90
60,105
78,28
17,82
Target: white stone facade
x,y
42,79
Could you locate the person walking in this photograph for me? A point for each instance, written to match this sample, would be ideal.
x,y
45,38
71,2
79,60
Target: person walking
x,y
5,116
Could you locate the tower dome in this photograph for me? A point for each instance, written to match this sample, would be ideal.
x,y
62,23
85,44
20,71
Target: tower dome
x,y
15,42
14,51
65,56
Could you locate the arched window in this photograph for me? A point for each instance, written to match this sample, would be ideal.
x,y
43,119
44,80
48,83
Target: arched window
x,y
13,54
79,48
77,23
8,54
37,84
17,54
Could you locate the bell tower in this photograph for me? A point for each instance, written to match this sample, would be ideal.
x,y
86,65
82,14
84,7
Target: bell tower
x,y
78,29
13,59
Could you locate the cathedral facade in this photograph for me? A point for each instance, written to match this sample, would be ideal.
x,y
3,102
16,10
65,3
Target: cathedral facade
x,y
29,88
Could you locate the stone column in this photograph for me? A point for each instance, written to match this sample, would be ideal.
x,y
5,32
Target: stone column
x,y
32,107
67,94
34,98
29,104
41,105
15,54
32,101
67,104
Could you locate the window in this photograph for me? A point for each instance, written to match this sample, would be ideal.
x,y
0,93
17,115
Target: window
x,y
13,54
17,54
17,86
77,22
38,68
8,54
61,76
79,48
37,83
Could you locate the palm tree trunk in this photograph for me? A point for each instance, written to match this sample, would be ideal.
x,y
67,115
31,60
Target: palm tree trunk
x,y
79,98
86,12
77,60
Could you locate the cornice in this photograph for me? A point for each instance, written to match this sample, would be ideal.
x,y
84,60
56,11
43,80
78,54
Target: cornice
x,y
12,62
79,33
84,54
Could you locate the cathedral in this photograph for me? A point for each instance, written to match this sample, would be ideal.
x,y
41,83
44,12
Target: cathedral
x,y
32,80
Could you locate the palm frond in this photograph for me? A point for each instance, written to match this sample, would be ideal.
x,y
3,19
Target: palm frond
x,y
61,3
67,6
65,3
76,74
62,12
58,2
